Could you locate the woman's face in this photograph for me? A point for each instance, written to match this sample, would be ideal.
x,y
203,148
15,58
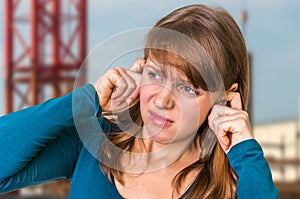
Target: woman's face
x,y
171,108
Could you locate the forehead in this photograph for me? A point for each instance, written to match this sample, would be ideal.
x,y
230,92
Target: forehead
x,y
170,70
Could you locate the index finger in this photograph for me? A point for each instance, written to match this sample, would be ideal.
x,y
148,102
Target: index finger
x,y
138,65
235,100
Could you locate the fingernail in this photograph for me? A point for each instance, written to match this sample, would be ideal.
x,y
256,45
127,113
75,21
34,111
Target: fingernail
x,y
129,100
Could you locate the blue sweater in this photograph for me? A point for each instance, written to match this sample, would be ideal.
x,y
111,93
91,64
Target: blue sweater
x,y
41,143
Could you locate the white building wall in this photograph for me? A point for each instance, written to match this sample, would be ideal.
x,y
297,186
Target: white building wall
x,y
278,141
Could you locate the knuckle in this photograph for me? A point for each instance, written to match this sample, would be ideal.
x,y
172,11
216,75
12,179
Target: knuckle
x,y
112,71
214,109
210,121
245,115
131,86
122,85
219,129
215,123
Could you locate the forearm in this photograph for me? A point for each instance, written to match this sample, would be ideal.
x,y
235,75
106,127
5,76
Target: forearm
x,y
55,161
25,133
254,175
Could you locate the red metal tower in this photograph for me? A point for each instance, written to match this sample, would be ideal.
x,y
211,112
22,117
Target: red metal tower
x,y
45,44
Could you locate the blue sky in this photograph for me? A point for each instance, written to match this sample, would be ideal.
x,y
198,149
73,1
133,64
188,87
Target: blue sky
x,y
272,36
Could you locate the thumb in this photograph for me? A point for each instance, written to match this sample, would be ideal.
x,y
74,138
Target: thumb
x,y
136,92
138,65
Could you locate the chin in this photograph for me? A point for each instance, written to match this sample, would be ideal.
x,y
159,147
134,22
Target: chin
x,y
158,135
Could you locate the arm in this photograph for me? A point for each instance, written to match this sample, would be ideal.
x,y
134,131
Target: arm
x,y
40,143
233,130
254,175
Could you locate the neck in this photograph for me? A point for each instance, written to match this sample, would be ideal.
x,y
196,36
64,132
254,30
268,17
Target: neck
x,y
149,155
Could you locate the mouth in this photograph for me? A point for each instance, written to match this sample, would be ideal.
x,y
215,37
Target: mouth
x,y
159,120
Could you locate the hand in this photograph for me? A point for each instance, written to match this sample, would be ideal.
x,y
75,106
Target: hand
x,y
119,87
230,124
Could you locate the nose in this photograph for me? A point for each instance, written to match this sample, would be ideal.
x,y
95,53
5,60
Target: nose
x,y
164,98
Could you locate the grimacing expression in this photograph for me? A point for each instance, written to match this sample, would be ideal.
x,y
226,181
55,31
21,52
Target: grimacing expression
x,y
171,107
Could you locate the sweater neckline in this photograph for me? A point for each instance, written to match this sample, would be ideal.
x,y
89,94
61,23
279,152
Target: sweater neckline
x,y
115,192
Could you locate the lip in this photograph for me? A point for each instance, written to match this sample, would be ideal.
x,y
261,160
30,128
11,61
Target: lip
x,y
159,120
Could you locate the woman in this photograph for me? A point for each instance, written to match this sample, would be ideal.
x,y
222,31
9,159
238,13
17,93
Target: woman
x,y
188,136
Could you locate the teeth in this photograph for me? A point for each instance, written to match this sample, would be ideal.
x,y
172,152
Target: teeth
x,y
161,121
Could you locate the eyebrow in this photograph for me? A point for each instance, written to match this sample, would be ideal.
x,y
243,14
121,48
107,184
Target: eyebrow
x,y
168,73
157,67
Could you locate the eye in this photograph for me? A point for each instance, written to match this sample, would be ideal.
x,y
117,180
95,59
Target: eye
x,y
189,90
155,76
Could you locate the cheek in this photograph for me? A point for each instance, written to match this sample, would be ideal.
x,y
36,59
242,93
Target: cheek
x,y
195,113
204,111
145,93
145,96
190,115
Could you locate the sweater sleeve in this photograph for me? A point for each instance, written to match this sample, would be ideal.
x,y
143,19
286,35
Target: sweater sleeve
x,y
41,143
254,175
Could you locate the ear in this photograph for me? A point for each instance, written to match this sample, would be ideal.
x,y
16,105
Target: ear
x,y
234,87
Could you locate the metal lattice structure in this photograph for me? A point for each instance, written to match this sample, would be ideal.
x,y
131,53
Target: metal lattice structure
x,y
45,44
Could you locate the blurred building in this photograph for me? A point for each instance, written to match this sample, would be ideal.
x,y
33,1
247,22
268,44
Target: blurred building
x,y
280,142
45,45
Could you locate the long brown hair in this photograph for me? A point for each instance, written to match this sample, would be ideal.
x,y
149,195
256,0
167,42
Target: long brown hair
x,y
218,34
